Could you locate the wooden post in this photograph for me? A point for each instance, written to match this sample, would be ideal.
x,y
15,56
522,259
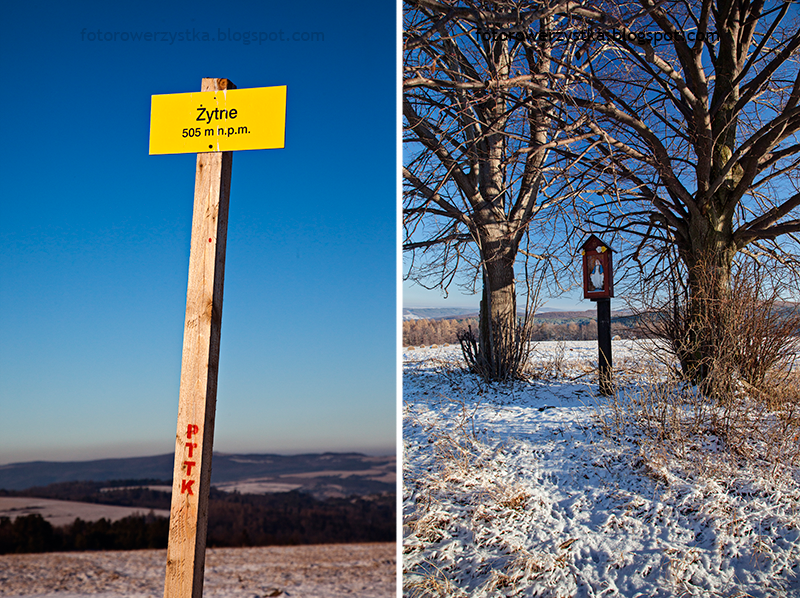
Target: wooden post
x,y
604,345
198,393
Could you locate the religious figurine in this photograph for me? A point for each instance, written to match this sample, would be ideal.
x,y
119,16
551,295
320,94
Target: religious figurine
x,y
596,276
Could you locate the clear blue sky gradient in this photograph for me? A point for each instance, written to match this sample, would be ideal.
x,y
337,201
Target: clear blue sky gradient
x,y
415,295
96,232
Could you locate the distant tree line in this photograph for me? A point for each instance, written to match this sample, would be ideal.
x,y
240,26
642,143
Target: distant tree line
x,y
443,332
234,520
434,332
33,533
295,518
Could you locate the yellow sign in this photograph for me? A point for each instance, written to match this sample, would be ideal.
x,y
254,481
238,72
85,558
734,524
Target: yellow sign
x,y
218,121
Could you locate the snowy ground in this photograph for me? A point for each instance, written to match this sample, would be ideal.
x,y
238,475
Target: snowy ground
x,y
517,490
321,571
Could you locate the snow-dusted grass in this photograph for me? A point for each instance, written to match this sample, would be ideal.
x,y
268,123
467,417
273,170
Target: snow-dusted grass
x,y
536,489
305,571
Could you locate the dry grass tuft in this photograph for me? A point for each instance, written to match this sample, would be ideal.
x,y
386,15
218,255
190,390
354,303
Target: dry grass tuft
x,y
736,394
465,470
516,502
431,583
676,420
552,367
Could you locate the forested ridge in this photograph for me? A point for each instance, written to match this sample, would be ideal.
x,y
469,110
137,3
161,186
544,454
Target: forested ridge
x,y
234,519
443,331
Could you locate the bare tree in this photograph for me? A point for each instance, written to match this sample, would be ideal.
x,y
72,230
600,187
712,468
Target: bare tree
x,y
697,106
480,152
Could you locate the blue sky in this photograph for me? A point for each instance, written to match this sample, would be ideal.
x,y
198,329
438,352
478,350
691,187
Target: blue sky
x,y
415,295
96,232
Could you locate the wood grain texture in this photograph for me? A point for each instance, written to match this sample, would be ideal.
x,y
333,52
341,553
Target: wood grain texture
x,y
200,363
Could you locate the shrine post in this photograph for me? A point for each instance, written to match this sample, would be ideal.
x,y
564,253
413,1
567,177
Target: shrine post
x,y
598,286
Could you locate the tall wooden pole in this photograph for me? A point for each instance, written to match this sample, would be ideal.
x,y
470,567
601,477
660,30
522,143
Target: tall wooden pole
x,y
604,345
200,364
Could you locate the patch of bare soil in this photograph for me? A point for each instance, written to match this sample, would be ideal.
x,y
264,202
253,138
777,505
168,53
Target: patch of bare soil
x,y
320,571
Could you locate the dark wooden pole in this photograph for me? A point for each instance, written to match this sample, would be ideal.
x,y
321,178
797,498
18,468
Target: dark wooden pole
x,y
198,392
604,345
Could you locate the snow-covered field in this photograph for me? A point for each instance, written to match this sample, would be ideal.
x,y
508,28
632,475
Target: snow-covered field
x,y
64,512
322,571
521,490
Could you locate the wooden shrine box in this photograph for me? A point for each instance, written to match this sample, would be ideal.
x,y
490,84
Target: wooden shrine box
x,y
598,269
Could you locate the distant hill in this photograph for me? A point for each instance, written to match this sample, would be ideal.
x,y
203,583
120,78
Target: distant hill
x,y
322,475
18,476
566,315
437,313
545,314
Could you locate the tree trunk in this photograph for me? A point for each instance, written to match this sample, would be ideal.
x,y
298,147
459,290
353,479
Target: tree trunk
x,y
707,324
498,339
